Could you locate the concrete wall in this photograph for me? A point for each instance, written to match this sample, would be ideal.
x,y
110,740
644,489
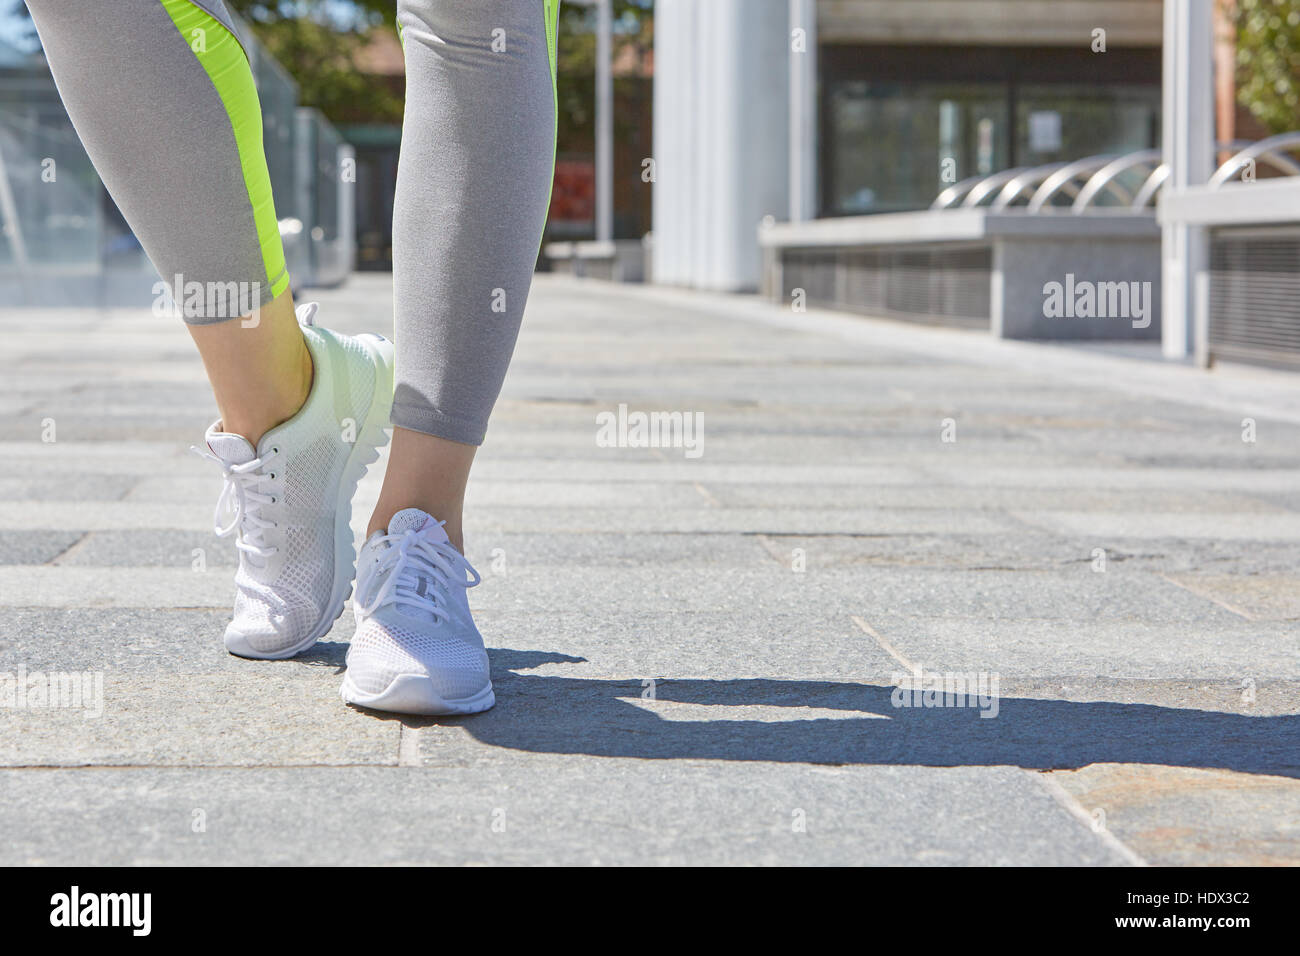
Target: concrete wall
x,y
1027,253
1022,267
721,131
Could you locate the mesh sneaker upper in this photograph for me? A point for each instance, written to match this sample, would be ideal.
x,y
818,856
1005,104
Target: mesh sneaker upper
x,y
281,600
385,647
275,611
397,638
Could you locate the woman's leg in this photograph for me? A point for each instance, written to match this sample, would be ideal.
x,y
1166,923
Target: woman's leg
x,y
473,185
162,95
163,99
478,154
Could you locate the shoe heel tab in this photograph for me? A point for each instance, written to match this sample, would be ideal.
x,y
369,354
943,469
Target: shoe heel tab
x,y
307,314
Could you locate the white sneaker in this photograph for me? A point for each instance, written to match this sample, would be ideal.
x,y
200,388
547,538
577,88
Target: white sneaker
x,y
416,649
290,500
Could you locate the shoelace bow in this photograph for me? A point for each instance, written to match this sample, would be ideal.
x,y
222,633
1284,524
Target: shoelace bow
x,y
241,499
413,559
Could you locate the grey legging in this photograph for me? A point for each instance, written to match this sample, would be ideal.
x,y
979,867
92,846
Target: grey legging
x,y
162,96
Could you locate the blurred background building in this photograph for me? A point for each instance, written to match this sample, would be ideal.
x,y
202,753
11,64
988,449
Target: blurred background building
x,y
65,243
892,102
938,161
946,162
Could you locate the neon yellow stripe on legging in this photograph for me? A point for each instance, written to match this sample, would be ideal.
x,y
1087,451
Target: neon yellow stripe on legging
x,y
552,14
222,56
552,35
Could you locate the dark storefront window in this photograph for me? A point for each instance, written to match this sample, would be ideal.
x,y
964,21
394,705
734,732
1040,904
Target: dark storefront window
x,y
900,124
891,142
1055,123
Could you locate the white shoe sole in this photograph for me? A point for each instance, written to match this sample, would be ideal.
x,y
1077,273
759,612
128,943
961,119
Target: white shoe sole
x,y
371,437
414,694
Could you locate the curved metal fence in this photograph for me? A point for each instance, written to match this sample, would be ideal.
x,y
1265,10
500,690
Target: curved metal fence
x,y
1130,181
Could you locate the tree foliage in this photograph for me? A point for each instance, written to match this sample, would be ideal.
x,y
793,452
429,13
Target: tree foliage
x,y
318,42
1268,61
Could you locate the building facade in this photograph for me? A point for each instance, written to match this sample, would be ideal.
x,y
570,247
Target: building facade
x,y
890,102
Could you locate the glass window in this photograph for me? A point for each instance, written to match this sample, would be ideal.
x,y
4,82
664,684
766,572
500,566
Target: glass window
x,y
895,147
1063,123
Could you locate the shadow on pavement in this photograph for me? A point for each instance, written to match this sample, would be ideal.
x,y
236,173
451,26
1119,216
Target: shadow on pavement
x,y
606,718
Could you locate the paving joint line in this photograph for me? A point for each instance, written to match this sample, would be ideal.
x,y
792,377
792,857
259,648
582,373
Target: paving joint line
x,y
706,494
69,549
770,547
884,644
1068,802
1207,597
408,745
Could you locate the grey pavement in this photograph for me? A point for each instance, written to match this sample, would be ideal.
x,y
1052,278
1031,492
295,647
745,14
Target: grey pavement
x,y
696,658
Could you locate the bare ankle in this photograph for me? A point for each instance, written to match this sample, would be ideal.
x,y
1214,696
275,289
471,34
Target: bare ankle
x,y
254,413
428,473
261,371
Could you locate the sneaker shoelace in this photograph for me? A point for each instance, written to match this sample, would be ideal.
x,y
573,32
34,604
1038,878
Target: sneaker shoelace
x,y
243,502
416,563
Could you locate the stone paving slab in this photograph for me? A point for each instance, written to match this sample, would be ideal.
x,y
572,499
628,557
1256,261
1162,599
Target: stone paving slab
x,y
18,547
79,586
67,487
718,813
1033,549
96,516
163,548
502,552
127,641
624,647
672,687
1179,817
1153,479
1117,648
639,519
1001,596
954,499
1259,597
1169,524
259,716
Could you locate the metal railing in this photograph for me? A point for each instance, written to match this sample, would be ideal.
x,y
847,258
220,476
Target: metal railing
x,y
1271,151
1086,182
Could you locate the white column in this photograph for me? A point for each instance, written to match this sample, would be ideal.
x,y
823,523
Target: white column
x,y
604,122
719,58
674,163
666,11
721,137
803,110
1188,146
